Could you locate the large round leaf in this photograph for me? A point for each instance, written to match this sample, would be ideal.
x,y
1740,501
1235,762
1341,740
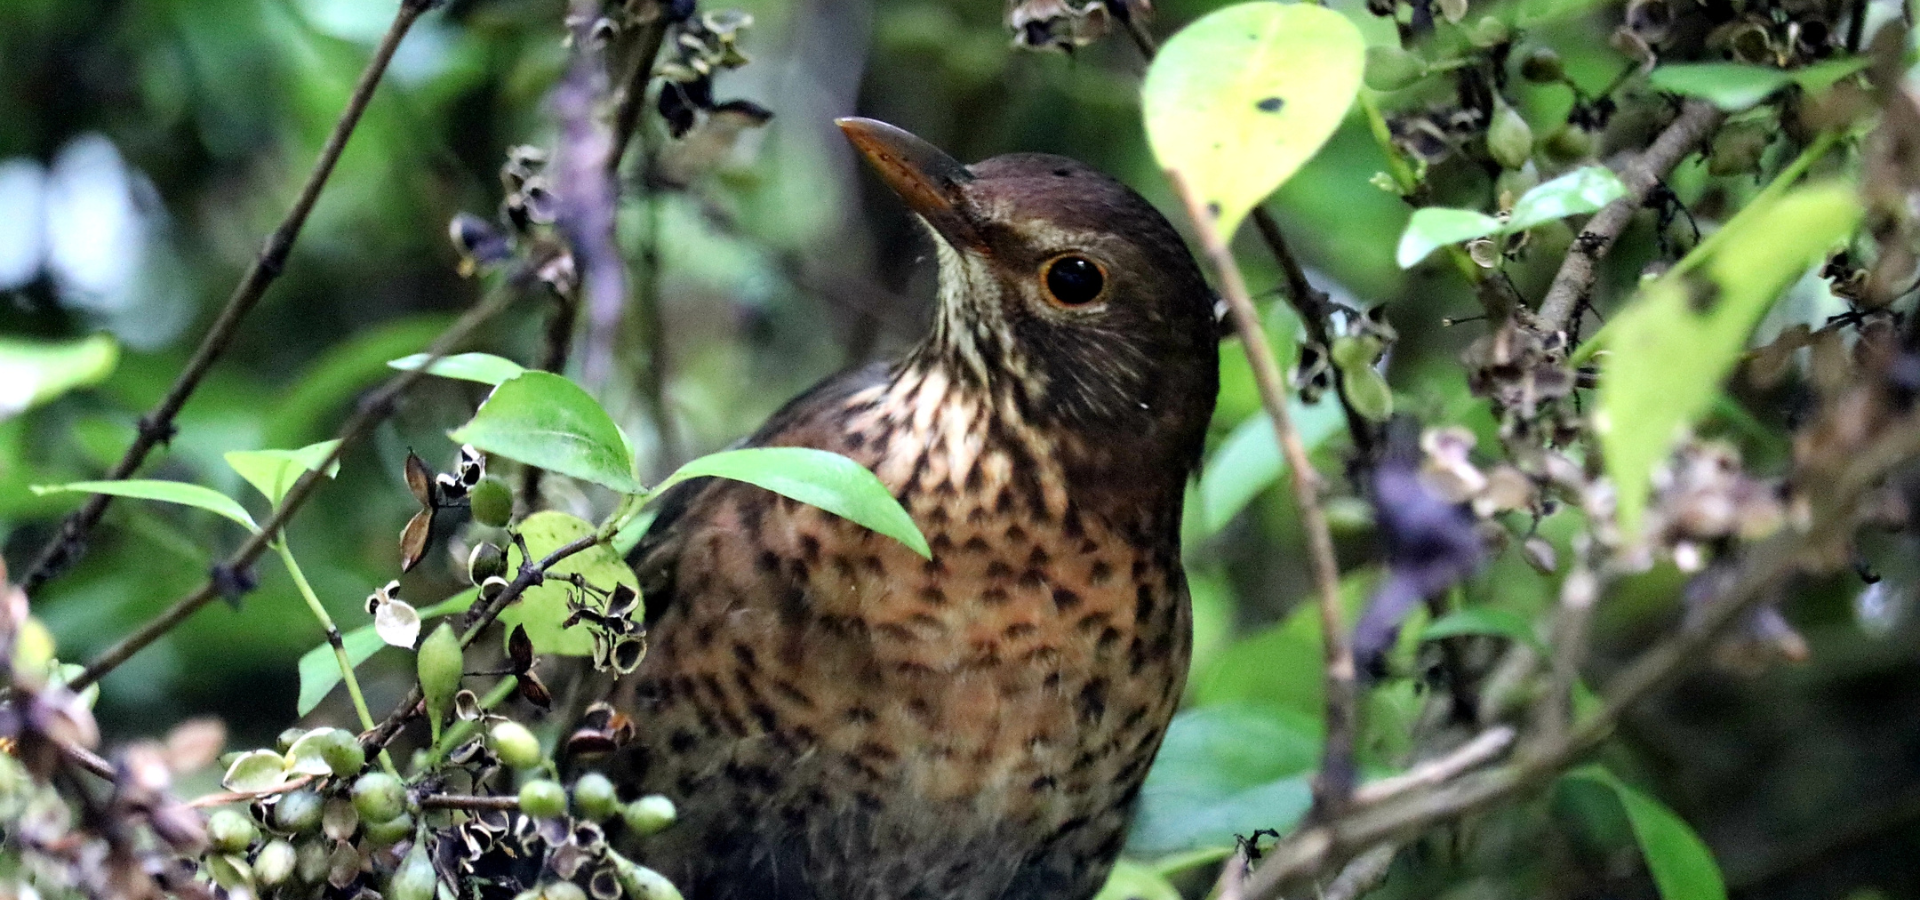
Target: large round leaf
x,y
1239,100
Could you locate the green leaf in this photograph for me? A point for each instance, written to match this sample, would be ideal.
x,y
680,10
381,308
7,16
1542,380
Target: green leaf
x,y
319,671
1239,100
1680,863
1484,620
1248,461
1226,770
1667,359
165,491
543,609
1736,86
482,367
33,372
273,472
817,478
1433,227
544,420
1130,880
1578,192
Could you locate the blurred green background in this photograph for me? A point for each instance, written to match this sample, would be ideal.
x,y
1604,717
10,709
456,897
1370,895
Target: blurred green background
x,y
147,148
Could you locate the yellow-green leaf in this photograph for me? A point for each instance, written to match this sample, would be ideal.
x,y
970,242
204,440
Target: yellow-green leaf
x,y
1674,344
543,609
1239,100
33,372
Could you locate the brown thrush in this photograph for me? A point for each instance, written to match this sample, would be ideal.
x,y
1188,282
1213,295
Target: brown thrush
x,y
840,719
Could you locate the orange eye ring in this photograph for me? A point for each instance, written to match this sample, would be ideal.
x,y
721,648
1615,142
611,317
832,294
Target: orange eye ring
x,y
1073,280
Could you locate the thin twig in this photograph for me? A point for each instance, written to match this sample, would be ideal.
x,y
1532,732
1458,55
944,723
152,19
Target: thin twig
x,y
156,427
1363,874
1337,770
470,802
1318,849
371,412
1484,748
1571,285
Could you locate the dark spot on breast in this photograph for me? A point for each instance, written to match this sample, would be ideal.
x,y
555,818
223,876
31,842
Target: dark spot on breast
x,y
938,517
939,544
1074,824
749,660
810,548
861,715
1033,579
768,562
843,567
1017,535
977,516
875,750
1065,600
763,714
1108,639
898,632
1043,783
994,596
975,544
1143,601
1093,700
1003,502
1099,574
913,668
1019,630
920,709
1039,557
682,740
1092,622
933,596
705,632
872,563
999,571
791,693
1269,104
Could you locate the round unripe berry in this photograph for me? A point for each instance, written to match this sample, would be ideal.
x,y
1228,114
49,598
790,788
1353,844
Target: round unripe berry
x,y
486,561
562,890
543,799
492,502
379,797
1542,66
515,745
275,863
341,751
298,812
594,797
388,832
649,814
230,831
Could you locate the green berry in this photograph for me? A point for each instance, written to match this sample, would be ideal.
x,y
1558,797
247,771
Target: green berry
x,y
441,662
230,831
379,797
388,832
298,812
486,561
492,502
594,797
1568,144
275,863
1509,140
1489,32
543,798
650,814
342,753
515,745
562,890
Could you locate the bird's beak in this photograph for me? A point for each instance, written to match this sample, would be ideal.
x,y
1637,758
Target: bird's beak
x,y
926,178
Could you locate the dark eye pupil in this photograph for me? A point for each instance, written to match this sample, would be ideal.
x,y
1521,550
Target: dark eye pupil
x,y
1074,280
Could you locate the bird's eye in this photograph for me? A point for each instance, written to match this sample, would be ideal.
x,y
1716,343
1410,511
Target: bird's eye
x,y
1074,280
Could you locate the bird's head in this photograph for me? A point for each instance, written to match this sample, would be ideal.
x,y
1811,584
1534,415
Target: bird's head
x,y
1060,288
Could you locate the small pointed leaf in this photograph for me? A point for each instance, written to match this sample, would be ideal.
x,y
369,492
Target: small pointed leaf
x,y
1680,863
273,472
544,420
817,478
1433,227
165,491
481,367
1578,192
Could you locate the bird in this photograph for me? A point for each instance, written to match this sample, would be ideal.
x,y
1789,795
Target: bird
x,y
839,718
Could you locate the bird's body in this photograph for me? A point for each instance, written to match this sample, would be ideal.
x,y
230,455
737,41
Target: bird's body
x,y
840,719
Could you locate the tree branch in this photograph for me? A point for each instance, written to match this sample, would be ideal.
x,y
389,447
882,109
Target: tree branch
x,y
371,412
1310,852
1337,770
1572,284
157,427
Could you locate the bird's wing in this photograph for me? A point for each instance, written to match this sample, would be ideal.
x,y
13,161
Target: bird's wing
x,y
656,556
